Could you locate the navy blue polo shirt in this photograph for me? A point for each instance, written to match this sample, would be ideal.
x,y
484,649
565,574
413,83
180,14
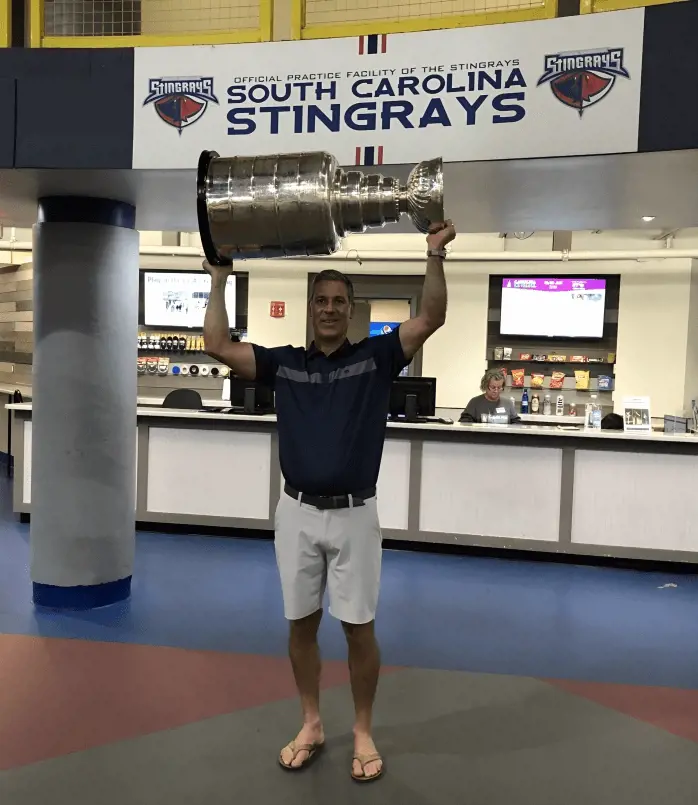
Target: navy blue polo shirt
x,y
332,411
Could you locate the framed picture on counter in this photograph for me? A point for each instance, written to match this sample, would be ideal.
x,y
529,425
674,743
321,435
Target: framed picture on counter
x,y
636,414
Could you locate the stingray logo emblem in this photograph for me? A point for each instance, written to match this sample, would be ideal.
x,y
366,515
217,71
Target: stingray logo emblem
x,y
180,102
583,78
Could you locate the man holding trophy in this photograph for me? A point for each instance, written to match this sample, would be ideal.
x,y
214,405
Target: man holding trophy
x,y
332,406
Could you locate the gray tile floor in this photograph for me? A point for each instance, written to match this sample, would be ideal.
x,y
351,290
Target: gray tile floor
x,y
448,738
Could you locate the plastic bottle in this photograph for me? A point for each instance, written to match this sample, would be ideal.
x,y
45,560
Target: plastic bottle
x,y
524,402
560,405
535,404
547,406
592,414
595,413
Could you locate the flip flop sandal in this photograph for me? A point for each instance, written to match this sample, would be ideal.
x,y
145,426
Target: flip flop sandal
x,y
364,760
312,749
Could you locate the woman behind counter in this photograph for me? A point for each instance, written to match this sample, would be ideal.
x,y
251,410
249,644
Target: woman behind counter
x,y
489,406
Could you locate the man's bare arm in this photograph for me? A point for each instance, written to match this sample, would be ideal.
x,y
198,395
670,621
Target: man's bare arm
x,y
238,356
432,313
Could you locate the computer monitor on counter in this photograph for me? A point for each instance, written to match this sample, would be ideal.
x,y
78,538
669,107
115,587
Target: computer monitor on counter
x,y
412,398
248,397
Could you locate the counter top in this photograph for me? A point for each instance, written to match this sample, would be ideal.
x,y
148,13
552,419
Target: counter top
x,y
26,391
540,430
523,430
157,402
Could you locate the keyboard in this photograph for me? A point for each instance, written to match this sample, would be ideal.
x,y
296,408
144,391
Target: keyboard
x,y
424,420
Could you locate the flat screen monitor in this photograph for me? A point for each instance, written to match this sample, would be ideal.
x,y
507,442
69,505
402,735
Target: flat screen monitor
x,y
412,398
178,299
550,307
248,397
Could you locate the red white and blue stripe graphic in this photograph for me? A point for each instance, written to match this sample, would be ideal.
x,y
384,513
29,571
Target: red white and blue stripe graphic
x,y
369,155
372,44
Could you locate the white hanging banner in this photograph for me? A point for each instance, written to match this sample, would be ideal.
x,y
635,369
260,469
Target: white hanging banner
x,y
560,87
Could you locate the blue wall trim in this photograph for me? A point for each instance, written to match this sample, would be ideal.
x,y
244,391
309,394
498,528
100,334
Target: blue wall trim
x,y
8,100
79,209
74,108
668,120
82,597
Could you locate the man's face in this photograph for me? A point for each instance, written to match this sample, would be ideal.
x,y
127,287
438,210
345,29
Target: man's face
x,y
494,389
330,310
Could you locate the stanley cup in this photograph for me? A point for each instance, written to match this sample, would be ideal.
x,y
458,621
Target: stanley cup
x,y
296,205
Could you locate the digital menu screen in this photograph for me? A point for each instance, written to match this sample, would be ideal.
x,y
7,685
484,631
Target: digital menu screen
x,y
178,299
553,308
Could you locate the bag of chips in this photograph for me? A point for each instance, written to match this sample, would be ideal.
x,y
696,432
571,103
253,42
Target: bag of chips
x,y
524,356
537,379
581,378
518,377
557,381
605,383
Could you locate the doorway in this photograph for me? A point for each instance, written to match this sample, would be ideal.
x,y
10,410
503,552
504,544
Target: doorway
x,y
360,322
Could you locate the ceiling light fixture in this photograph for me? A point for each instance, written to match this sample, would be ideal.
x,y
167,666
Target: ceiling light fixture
x,y
648,218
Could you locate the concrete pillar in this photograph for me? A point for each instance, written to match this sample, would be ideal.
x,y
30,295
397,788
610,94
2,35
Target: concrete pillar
x,y
84,402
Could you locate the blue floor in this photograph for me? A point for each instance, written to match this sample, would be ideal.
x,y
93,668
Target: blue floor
x,y
437,611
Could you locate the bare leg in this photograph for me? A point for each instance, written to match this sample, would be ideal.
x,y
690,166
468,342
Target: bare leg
x,y
304,652
364,667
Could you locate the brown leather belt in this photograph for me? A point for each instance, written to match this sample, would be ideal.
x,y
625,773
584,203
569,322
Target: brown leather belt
x,y
324,502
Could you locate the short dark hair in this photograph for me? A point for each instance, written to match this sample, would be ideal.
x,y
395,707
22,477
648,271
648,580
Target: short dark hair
x,y
331,275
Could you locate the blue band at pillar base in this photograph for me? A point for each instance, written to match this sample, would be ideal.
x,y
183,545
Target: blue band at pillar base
x,y
82,597
71,209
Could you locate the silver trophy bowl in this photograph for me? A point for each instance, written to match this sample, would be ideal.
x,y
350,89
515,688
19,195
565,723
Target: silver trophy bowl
x,y
297,205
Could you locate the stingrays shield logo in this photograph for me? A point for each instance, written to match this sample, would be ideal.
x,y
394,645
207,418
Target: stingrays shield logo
x,y
583,78
180,102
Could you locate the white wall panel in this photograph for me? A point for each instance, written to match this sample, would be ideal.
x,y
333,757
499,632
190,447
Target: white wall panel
x,y
394,484
491,490
635,500
221,473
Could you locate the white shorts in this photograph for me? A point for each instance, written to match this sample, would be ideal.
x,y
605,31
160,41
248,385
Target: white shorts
x,y
340,549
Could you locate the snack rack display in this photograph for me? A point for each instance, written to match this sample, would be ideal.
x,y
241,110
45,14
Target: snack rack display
x,y
571,368
572,376
555,371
